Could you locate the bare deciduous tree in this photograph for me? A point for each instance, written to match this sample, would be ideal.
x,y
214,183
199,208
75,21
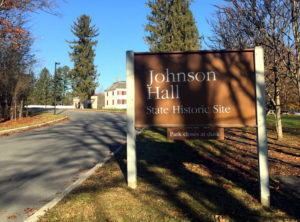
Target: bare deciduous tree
x,y
248,23
16,58
295,20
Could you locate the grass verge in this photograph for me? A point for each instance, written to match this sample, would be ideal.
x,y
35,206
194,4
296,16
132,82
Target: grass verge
x,y
33,119
188,181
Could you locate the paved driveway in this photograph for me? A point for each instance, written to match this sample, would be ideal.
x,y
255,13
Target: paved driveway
x,y
36,166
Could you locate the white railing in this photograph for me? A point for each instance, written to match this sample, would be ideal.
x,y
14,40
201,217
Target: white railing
x,y
50,106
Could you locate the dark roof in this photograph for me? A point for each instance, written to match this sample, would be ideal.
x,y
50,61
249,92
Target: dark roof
x,y
117,85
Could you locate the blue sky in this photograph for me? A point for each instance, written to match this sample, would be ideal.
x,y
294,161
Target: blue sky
x,y
121,27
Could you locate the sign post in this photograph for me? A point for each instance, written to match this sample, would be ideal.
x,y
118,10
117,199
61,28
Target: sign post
x,y
262,146
131,134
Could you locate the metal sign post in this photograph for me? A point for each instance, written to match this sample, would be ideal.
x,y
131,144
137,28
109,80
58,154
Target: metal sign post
x,y
262,146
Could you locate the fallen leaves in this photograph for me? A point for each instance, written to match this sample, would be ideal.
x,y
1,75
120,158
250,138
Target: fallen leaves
x,y
12,217
175,212
75,178
227,185
29,121
197,168
283,155
252,199
31,211
44,201
221,218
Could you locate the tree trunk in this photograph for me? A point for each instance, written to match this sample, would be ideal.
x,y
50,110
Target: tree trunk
x,y
21,109
15,110
295,18
3,107
11,112
278,121
26,112
6,110
278,108
299,87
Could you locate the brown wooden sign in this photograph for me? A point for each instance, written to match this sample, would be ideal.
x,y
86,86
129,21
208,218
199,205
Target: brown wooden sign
x,y
195,133
203,88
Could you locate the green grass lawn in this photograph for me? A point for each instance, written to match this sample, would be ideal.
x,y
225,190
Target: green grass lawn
x,y
290,123
193,180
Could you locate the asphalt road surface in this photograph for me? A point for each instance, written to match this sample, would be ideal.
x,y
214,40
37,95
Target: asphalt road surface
x,y
37,165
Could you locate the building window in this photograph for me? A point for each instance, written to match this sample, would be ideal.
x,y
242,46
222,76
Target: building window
x,y
113,102
106,93
107,102
123,93
123,101
113,93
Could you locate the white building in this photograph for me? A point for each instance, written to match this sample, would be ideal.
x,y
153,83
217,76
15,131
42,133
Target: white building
x,y
115,95
92,103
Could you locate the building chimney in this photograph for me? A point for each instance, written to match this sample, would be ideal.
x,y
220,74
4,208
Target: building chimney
x,y
118,79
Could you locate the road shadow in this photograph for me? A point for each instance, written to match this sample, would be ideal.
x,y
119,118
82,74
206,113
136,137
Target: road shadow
x,y
54,156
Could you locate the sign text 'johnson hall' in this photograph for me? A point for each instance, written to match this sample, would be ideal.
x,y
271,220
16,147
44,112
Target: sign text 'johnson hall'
x,y
173,78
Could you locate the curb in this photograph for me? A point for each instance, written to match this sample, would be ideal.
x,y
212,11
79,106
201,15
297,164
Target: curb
x,y
36,216
31,126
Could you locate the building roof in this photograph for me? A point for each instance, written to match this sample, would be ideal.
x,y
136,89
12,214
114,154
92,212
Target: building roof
x,y
117,85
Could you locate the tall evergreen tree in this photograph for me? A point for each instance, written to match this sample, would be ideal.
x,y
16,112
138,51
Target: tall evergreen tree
x,y
171,26
84,74
43,89
62,84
